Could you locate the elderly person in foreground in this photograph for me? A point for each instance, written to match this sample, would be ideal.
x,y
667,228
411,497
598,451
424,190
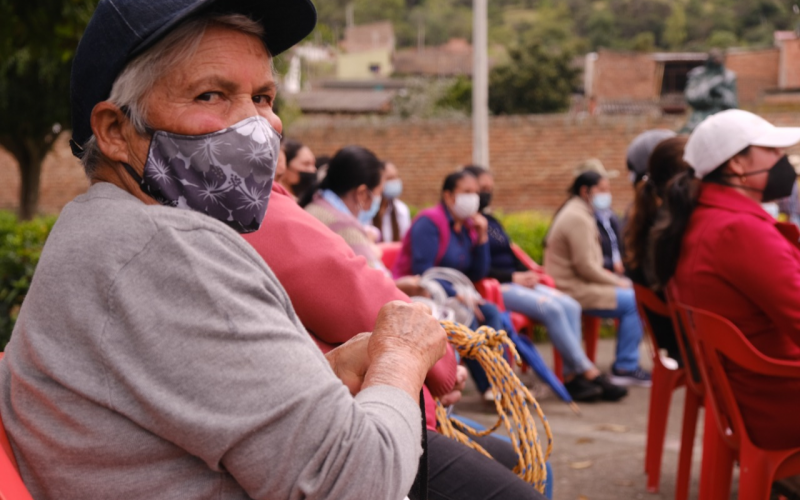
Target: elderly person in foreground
x,y
156,355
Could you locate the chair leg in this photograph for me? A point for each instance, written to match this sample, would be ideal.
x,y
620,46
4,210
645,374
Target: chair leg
x,y
660,399
755,476
591,333
717,468
691,406
558,365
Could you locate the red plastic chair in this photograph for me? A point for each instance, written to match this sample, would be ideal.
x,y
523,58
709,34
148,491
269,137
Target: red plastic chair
x,y
715,338
389,254
11,486
665,381
694,399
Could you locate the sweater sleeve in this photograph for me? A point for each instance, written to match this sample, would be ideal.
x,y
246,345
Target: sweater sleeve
x,y
335,293
225,371
424,245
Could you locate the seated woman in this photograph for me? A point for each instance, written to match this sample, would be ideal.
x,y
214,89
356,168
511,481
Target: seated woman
x,y
558,312
346,201
665,162
301,168
156,355
453,234
345,298
726,255
573,258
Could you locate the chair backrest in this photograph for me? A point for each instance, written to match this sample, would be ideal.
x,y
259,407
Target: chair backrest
x,y
11,486
682,326
390,251
717,339
647,300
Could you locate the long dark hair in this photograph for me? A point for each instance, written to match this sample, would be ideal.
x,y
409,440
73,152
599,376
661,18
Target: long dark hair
x,y
666,161
349,168
666,236
291,147
588,180
451,181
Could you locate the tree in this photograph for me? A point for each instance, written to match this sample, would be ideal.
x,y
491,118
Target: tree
x,y
675,27
37,43
536,79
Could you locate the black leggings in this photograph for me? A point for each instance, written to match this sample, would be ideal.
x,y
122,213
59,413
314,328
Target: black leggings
x,y
457,472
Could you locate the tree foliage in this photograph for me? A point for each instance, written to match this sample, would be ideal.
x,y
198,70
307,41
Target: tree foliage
x,y
536,79
37,42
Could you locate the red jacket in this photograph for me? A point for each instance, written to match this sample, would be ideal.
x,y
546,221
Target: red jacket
x,y
735,262
335,293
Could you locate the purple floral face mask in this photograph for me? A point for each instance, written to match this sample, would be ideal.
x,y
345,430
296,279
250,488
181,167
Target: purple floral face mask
x,y
226,175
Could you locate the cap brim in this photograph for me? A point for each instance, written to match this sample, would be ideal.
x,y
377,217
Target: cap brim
x,y
778,137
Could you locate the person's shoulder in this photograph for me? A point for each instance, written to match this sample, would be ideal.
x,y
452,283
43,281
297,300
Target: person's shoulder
x,y
401,207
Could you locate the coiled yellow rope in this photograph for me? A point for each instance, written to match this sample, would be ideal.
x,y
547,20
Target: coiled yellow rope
x,y
512,400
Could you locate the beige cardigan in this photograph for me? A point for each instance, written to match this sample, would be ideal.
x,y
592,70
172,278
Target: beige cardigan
x,y
574,259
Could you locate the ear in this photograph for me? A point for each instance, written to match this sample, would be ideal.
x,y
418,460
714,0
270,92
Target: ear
x,y
362,194
110,127
738,164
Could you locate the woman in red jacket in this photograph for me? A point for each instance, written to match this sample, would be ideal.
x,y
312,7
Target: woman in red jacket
x,y
725,255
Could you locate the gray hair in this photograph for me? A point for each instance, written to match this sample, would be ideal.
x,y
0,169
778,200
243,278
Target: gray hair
x,y
139,76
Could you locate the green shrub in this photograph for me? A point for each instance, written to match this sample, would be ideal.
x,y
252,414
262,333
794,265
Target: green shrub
x,y
527,229
21,245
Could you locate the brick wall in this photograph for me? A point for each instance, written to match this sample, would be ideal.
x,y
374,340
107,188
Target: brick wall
x,y
756,71
790,64
533,157
624,76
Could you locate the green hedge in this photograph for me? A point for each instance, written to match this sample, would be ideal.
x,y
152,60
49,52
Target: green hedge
x,y
21,245
527,229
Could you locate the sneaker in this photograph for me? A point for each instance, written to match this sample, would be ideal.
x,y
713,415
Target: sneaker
x,y
611,391
488,396
633,377
583,390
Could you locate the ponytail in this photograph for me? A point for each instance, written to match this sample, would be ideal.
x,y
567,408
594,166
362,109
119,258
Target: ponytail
x,y
666,236
349,168
588,180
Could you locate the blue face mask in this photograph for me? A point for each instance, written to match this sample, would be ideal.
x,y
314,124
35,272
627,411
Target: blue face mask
x,y
601,201
365,216
393,189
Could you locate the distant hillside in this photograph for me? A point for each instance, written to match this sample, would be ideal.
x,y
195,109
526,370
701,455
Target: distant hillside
x,y
583,24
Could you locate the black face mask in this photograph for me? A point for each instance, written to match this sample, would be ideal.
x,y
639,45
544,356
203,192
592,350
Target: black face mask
x,y
780,180
485,201
306,182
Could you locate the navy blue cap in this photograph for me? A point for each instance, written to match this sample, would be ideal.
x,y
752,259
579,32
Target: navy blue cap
x,y
122,29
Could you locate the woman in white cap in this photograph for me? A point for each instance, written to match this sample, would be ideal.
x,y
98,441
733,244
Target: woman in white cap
x,y
725,255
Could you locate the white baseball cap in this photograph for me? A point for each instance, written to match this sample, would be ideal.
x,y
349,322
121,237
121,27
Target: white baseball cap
x,y
720,136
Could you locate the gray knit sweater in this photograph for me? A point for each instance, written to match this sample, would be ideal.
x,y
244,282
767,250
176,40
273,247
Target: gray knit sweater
x,y
157,356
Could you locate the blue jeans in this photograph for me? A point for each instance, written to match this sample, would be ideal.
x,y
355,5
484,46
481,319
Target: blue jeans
x,y
629,334
559,313
493,319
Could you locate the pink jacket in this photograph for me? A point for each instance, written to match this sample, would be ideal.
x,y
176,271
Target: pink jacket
x,y
334,292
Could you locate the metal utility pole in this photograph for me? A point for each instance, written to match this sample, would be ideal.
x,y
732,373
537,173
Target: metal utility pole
x,y
480,85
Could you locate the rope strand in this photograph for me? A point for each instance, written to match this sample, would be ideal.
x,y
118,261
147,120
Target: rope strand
x,y
512,400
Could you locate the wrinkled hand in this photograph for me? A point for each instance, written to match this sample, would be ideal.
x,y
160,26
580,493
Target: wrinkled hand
x,y
411,287
525,278
405,344
350,361
454,396
624,283
619,268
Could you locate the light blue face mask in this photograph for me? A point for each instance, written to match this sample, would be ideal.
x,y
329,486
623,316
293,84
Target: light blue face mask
x,y
365,216
393,189
601,201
